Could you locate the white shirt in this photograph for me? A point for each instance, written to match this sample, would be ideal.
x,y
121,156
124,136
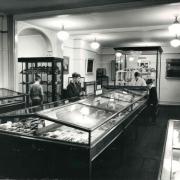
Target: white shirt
x,y
139,82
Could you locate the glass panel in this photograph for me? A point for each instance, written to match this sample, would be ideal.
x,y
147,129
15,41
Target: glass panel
x,y
176,135
78,115
7,93
106,103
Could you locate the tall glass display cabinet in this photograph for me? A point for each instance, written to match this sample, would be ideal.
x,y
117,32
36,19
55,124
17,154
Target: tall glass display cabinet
x,y
50,69
64,140
145,60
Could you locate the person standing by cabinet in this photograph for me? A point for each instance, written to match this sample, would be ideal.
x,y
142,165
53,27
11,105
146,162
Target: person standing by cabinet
x,y
152,100
36,92
138,81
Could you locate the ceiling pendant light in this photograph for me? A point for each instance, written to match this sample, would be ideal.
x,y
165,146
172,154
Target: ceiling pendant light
x,y
63,35
175,42
95,45
131,59
118,54
175,27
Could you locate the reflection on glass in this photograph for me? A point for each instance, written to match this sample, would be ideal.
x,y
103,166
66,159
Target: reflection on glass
x,y
176,135
75,114
176,165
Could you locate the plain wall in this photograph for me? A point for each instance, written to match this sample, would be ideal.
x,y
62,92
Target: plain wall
x,y
169,88
4,59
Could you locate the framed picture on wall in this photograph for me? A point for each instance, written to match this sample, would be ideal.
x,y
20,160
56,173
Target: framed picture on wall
x,y
173,68
89,66
66,65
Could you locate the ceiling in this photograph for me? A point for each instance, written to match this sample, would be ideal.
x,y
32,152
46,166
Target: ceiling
x,y
145,26
113,26
29,6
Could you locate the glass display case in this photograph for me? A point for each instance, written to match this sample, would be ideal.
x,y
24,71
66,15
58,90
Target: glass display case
x,y
79,131
170,163
144,60
11,100
50,69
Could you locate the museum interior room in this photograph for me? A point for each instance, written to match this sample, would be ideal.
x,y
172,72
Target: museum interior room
x,y
90,90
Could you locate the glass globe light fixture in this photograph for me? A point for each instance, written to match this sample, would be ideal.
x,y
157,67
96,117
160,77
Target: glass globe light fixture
x,y
118,54
175,27
63,35
131,59
95,45
175,42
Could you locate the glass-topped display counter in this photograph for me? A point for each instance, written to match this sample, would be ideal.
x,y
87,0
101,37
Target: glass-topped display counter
x,y
170,164
89,125
10,100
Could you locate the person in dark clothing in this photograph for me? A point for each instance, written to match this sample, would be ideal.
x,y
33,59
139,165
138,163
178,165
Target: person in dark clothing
x,y
74,88
152,100
36,92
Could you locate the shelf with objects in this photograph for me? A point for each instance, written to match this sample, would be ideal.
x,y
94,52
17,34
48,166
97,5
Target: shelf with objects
x,y
128,60
170,161
11,100
50,69
64,141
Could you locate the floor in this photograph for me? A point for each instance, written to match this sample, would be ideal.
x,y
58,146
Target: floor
x,y
137,155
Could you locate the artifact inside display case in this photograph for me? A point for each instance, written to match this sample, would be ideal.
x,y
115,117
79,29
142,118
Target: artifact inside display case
x,y
78,114
11,100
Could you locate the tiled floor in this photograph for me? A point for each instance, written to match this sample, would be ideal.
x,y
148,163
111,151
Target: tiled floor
x,y
136,157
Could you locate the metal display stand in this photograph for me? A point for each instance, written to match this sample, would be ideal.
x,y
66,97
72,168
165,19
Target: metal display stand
x,y
50,69
64,141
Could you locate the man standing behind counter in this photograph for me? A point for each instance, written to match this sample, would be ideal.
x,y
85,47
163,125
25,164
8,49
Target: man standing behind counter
x,y
137,81
74,88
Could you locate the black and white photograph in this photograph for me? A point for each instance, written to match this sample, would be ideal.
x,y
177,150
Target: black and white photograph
x,y
90,90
